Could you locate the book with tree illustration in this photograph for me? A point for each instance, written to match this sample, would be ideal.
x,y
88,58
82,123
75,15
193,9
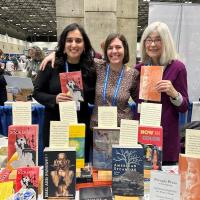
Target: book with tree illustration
x,y
22,146
149,76
128,170
72,84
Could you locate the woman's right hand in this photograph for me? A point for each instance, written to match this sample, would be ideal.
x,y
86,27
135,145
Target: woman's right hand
x,y
50,58
62,97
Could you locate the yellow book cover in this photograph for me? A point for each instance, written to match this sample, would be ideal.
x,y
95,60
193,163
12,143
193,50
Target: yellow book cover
x,y
104,175
6,190
125,198
77,139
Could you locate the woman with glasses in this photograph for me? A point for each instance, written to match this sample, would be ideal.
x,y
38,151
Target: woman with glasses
x,y
74,53
157,48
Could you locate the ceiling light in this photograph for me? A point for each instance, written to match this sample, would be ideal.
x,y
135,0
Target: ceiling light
x,y
43,25
18,24
24,28
50,21
4,8
9,20
50,31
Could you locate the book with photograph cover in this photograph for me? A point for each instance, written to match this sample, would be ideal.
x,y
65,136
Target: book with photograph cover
x,y
127,170
103,139
22,146
59,172
72,84
149,76
151,138
96,193
189,170
27,182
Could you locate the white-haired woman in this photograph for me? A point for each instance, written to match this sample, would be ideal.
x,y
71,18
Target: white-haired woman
x,y
157,48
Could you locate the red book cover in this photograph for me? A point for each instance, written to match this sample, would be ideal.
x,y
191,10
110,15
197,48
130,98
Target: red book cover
x,y
71,82
149,76
22,145
151,138
28,180
4,175
189,170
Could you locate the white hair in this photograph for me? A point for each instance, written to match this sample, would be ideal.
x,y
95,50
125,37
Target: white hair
x,y
169,52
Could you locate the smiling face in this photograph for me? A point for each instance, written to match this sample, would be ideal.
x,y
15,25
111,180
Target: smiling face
x,y
74,46
115,52
153,46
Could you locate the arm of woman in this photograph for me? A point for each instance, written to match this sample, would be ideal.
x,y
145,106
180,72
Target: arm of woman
x,y
50,58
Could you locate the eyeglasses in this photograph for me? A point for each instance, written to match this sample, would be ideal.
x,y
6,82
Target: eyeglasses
x,y
149,41
76,40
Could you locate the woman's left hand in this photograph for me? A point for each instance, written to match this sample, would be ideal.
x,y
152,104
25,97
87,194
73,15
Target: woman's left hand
x,y
167,87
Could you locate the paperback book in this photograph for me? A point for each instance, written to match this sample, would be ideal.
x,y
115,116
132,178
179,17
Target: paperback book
x,y
59,173
127,170
103,139
22,146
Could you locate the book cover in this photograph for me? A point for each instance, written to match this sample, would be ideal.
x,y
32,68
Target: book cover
x,y
103,139
101,181
164,185
27,182
77,139
4,175
72,82
189,170
22,146
59,172
127,170
149,76
95,193
151,138
6,190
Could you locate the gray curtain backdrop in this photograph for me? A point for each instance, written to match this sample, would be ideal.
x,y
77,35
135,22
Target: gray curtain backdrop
x,y
184,23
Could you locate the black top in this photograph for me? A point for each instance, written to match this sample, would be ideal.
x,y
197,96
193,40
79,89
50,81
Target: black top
x,y
3,92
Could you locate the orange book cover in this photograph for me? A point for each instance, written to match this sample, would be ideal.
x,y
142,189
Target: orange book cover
x,y
72,82
101,182
189,170
149,76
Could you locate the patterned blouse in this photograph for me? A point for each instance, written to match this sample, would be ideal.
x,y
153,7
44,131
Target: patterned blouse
x,y
127,89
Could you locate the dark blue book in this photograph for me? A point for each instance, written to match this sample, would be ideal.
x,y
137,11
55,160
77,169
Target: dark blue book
x,y
127,170
103,139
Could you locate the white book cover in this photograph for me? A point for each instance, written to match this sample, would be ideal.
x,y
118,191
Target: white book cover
x,y
22,114
128,132
192,142
68,112
59,134
150,114
195,111
107,116
164,186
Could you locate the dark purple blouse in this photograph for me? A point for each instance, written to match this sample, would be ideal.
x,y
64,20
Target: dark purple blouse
x,y
177,74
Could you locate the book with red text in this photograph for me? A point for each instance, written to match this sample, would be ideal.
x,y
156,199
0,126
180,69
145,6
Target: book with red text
x,y
149,76
151,137
22,146
27,180
72,84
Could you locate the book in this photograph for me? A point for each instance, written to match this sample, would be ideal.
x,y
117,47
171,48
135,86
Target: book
x,y
95,193
6,189
101,181
127,170
150,114
22,146
27,182
149,76
164,186
103,139
4,175
59,172
192,142
195,111
189,170
71,82
117,197
151,138
77,139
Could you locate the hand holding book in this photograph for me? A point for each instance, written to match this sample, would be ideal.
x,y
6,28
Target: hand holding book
x,y
62,97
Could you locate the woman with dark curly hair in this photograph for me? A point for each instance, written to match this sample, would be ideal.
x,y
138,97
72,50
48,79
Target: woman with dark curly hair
x,y
74,53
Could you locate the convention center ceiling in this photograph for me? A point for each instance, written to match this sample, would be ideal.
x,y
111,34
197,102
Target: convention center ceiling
x,y
35,20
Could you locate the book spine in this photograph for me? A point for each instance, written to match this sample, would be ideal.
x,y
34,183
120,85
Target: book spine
x,y
46,177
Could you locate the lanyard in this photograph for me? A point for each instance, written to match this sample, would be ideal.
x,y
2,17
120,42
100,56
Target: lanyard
x,y
114,98
66,67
